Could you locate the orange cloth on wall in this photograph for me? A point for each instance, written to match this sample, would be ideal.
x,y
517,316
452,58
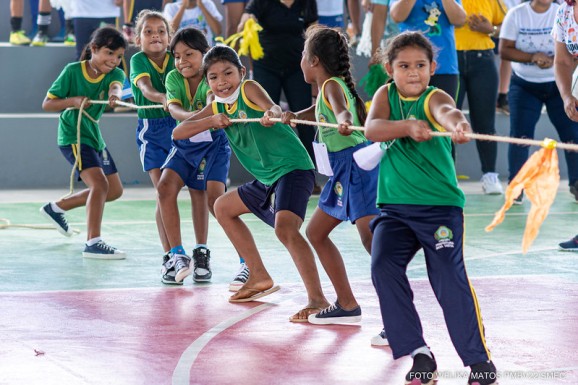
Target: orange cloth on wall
x,y
539,177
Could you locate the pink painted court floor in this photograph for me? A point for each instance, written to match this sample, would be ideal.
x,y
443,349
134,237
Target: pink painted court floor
x,y
65,320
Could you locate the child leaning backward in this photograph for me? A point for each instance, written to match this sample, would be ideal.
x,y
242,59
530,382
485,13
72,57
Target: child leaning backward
x,y
421,208
95,77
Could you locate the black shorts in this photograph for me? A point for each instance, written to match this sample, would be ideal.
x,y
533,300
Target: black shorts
x,y
290,192
89,157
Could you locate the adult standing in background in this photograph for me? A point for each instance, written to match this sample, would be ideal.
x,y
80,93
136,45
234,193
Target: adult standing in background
x,y
479,79
200,14
17,34
130,10
233,11
282,38
89,15
436,19
565,33
526,41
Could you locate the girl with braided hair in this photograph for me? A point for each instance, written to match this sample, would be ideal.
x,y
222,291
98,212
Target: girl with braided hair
x,y
350,192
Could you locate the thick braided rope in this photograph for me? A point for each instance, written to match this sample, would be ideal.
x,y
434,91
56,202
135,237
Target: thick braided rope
x,y
494,138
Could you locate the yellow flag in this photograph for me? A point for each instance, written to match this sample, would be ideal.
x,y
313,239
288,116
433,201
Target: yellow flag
x,y
248,40
539,177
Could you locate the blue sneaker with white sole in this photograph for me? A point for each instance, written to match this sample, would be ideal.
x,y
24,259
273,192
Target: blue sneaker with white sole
x,y
336,315
58,219
101,250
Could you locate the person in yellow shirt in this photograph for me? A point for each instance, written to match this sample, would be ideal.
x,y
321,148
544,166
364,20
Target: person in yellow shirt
x,y
479,79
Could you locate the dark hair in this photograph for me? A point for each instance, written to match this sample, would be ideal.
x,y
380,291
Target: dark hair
x,y
108,37
330,47
146,14
192,38
404,40
220,53
570,2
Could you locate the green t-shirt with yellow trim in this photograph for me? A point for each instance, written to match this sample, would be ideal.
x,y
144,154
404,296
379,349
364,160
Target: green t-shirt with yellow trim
x,y
324,113
141,66
267,153
74,81
179,91
418,173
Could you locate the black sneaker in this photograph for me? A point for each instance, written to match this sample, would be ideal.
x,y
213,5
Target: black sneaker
x,y
202,271
571,245
483,373
574,190
336,315
423,371
181,267
519,200
58,219
502,104
168,272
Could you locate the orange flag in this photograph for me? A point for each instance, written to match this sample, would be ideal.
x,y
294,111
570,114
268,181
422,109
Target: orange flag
x,y
539,177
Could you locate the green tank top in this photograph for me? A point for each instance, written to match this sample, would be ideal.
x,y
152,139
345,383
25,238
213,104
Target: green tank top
x,y
333,140
178,91
418,173
267,153
141,66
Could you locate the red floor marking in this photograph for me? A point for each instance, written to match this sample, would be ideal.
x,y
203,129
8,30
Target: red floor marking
x,y
138,336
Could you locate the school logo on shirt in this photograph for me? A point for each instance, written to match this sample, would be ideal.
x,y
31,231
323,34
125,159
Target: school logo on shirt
x,y
101,95
242,114
444,237
338,189
199,105
321,118
201,170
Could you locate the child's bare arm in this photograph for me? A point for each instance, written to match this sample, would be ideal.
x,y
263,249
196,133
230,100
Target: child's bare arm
x,y
199,122
150,92
178,112
444,111
257,95
306,114
58,104
378,127
114,93
338,103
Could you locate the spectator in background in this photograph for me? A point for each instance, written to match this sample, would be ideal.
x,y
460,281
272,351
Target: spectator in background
x,y
382,26
233,11
284,23
200,14
130,10
436,19
330,13
89,15
44,20
17,34
525,40
479,79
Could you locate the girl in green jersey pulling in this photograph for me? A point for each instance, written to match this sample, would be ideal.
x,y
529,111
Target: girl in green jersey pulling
x,y
273,154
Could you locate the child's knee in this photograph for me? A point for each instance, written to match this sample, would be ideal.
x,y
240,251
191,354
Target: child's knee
x,y
287,233
114,193
164,191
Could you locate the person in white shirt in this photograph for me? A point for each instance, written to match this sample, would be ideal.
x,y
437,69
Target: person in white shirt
x,y
200,14
526,40
89,15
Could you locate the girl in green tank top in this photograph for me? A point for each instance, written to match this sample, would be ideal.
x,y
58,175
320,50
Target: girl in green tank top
x,y
325,62
273,153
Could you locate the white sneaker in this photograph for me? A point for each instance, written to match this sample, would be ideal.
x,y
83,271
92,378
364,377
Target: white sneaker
x,y
380,339
491,184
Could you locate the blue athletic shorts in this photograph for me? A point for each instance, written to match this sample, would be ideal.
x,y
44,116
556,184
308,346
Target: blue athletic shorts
x,y
153,137
351,192
234,1
198,163
290,192
335,21
89,158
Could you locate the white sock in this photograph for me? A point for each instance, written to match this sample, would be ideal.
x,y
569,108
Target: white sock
x,y
93,241
423,350
56,209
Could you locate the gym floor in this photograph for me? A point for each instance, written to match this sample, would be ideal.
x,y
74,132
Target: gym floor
x,y
69,320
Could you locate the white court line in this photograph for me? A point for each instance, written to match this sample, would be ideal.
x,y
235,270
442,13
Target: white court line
x,y
182,372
